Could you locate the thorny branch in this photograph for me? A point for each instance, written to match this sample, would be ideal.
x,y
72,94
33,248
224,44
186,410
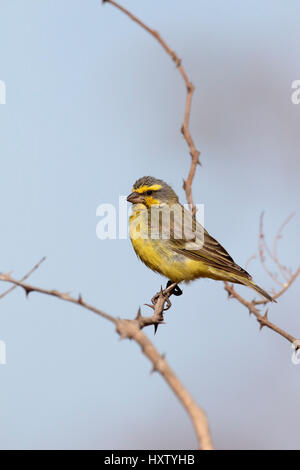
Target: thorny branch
x,y
263,320
194,153
287,274
26,276
132,329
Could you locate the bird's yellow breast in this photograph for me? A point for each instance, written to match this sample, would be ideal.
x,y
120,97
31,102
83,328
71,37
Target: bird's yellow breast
x,y
159,255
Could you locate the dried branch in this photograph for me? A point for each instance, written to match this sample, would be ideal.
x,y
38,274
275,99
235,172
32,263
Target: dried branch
x,y
194,153
262,319
284,271
286,286
131,329
252,306
263,247
288,275
127,329
251,258
35,267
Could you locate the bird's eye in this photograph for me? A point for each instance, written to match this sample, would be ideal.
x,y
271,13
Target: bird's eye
x,y
149,192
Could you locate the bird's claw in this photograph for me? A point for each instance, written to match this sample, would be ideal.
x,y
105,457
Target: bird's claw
x,y
176,289
169,305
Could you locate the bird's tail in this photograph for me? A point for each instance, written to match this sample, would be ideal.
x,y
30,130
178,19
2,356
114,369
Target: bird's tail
x,y
250,283
247,281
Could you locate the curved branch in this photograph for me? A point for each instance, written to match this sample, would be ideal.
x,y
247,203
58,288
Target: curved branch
x,y
194,153
131,329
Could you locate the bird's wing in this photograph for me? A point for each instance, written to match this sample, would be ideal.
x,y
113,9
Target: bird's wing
x,y
196,243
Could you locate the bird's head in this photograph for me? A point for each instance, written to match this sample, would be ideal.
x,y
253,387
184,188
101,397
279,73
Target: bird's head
x,y
152,191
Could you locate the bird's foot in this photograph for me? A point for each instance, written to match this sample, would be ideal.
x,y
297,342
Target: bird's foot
x,y
166,295
176,289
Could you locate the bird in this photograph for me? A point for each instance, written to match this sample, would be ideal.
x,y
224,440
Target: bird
x,y
169,240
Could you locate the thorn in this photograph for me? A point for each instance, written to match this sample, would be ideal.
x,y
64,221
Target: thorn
x,y
266,314
251,306
139,314
28,290
150,305
155,328
190,87
262,321
155,368
80,300
177,62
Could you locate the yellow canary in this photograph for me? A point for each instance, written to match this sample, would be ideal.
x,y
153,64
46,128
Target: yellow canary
x,y
169,240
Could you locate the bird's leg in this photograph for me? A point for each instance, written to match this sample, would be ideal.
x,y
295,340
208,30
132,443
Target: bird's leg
x,y
176,290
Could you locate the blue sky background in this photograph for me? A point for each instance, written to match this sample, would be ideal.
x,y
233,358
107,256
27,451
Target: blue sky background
x,y
93,103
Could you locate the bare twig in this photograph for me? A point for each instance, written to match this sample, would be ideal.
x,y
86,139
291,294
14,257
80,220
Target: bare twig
x,y
251,258
131,329
35,267
284,271
264,247
252,306
285,287
54,293
288,275
194,153
262,319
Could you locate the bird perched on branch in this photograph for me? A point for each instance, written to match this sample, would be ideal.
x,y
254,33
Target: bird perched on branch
x,y
169,240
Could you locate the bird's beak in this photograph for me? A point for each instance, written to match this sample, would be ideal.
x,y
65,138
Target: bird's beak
x,y
135,198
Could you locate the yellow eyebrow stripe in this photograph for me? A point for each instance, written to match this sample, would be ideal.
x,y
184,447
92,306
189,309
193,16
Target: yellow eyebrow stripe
x,y
142,189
